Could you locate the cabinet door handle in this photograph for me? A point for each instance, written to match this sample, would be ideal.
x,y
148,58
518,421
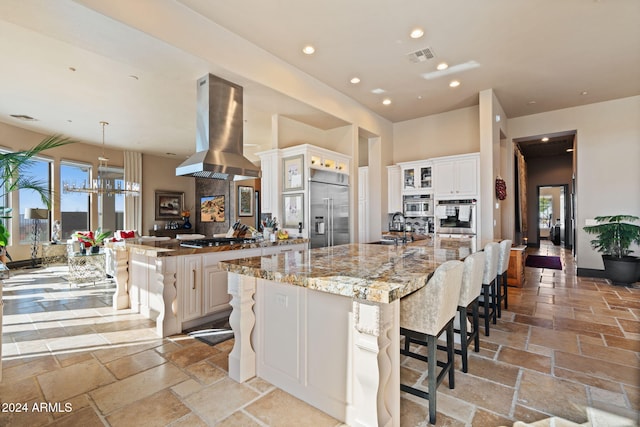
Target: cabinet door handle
x,y
194,279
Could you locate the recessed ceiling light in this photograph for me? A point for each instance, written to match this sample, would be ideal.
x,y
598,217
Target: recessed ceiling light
x,y
569,150
134,77
584,92
170,154
442,66
454,83
419,96
355,80
72,69
545,139
386,101
377,91
308,50
531,102
416,33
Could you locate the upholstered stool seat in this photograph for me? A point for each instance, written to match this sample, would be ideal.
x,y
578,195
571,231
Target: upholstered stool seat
x,y
469,296
424,315
488,299
501,280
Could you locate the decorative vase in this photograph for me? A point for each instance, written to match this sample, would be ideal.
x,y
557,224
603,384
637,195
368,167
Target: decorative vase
x,y
267,232
95,249
186,224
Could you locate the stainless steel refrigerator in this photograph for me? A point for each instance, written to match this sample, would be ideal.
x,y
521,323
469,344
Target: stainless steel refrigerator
x,y
329,200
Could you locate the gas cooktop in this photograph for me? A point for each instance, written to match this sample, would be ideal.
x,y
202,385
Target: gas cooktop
x,y
215,241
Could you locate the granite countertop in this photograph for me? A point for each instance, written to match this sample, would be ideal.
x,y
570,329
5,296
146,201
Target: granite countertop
x,y
171,247
377,273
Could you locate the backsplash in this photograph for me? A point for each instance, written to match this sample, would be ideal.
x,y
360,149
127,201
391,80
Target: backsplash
x,y
420,225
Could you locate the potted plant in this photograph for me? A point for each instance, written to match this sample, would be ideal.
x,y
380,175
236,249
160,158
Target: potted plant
x,y
13,167
91,239
614,236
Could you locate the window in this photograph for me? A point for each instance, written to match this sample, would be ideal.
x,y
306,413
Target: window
x,y
111,208
39,171
74,207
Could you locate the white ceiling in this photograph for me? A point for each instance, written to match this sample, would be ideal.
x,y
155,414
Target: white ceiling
x,y
547,51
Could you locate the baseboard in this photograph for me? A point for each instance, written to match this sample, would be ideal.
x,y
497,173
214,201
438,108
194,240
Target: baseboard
x,y
591,272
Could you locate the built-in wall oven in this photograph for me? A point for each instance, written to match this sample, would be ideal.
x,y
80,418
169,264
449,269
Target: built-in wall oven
x,y
418,205
456,216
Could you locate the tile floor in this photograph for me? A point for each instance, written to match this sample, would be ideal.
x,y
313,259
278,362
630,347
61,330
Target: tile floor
x,y
565,343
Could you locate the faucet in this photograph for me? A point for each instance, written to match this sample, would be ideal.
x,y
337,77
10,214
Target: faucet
x,y
404,225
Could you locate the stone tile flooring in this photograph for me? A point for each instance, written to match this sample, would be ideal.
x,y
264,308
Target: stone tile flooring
x,y
565,344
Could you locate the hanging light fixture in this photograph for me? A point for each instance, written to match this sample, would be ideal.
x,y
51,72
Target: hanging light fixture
x,y
103,185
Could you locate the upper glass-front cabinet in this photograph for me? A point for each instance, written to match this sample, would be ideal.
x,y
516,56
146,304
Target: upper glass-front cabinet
x,y
416,177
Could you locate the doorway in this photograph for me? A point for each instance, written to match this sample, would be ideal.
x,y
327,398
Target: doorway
x,y
553,214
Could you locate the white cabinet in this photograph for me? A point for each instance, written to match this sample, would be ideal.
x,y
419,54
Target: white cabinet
x,y
270,181
215,295
327,160
394,189
456,176
190,281
416,177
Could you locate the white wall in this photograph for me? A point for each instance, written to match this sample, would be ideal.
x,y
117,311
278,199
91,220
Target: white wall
x,y
491,154
608,160
453,132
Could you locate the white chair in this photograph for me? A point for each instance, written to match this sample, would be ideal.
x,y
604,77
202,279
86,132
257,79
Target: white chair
x,y
469,296
424,315
488,299
501,283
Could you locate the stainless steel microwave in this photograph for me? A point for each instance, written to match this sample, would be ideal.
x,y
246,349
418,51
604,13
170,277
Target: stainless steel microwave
x,y
419,205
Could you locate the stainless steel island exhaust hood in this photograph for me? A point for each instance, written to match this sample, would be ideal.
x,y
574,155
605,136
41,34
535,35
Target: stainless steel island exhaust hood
x,y
219,123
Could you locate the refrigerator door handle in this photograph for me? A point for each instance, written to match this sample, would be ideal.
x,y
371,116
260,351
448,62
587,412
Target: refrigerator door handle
x,y
329,230
331,222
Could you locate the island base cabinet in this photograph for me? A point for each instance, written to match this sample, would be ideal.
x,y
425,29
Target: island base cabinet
x,y
336,354
191,287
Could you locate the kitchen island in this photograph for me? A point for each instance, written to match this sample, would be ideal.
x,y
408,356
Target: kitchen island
x,y
323,324
179,287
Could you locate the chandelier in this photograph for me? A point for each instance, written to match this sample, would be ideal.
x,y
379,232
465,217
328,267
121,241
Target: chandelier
x,y
103,185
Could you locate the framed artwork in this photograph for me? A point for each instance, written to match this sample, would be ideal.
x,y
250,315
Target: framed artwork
x,y
245,201
293,210
293,168
212,209
169,205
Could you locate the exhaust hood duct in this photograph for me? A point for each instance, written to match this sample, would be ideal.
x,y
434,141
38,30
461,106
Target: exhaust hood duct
x,y
219,123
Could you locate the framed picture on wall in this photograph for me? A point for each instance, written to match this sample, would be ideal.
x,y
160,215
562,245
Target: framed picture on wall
x,y
212,209
169,205
245,201
293,168
293,210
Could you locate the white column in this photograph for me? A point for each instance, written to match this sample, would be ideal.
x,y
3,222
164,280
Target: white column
x,y
242,359
375,381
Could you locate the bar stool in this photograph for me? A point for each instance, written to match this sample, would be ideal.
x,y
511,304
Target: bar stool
x,y
424,315
469,296
501,283
488,299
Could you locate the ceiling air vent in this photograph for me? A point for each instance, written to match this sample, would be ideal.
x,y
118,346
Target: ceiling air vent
x,y
421,55
23,117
